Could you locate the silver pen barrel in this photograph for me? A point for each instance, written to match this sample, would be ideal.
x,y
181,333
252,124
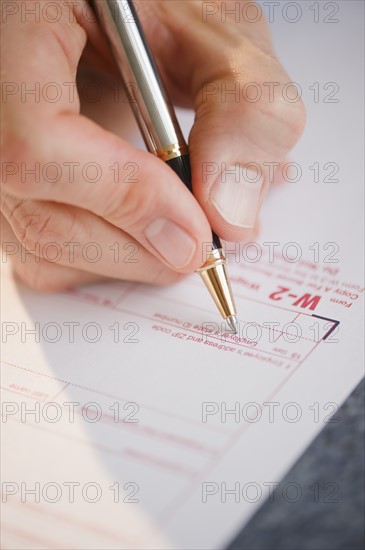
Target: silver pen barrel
x,y
149,100
159,126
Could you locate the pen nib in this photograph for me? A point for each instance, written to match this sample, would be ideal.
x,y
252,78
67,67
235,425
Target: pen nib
x,y
232,323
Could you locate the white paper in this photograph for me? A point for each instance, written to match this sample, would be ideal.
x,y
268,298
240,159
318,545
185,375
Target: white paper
x,y
122,418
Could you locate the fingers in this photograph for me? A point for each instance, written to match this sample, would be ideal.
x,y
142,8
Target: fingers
x,y
82,165
79,240
52,153
37,273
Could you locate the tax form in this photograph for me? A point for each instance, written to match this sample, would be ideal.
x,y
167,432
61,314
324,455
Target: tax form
x,y
131,417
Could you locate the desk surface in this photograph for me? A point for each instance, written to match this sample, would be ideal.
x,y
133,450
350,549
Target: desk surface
x,y
335,457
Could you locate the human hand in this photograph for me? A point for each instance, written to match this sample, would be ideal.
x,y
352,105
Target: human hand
x,y
201,58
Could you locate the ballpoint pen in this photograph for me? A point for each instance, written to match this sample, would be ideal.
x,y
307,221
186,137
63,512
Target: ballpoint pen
x,y
159,126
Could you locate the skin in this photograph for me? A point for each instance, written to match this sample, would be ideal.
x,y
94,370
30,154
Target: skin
x,y
38,212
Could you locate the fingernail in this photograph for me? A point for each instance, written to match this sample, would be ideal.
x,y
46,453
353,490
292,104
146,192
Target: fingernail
x,y
236,194
171,241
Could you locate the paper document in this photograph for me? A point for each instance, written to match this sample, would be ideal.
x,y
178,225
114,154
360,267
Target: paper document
x,y
131,416
134,415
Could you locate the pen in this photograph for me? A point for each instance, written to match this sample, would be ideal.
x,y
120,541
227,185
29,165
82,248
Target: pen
x,y
159,126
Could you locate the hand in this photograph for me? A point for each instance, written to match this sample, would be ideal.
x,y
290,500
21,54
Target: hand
x,y
48,143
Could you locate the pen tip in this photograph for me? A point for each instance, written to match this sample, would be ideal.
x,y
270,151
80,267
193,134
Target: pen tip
x,y
232,323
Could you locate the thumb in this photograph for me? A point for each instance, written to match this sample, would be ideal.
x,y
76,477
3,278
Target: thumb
x,y
236,144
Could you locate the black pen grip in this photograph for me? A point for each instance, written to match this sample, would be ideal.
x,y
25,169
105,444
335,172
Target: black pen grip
x,y
181,167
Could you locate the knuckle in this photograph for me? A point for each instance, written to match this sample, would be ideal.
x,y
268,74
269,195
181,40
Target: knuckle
x,y
290,117
30,224
36,226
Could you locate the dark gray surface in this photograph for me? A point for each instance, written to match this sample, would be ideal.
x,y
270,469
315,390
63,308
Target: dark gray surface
x,y
314,522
